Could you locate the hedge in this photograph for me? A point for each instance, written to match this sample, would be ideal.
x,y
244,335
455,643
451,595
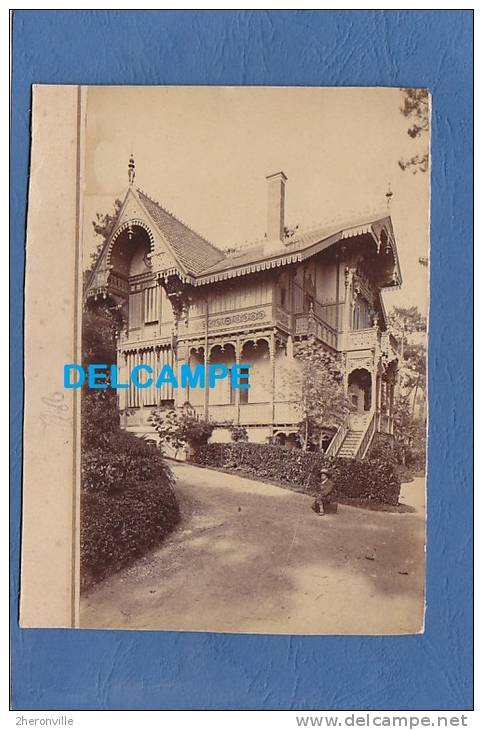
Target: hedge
x,y
373,480
128,505
124,460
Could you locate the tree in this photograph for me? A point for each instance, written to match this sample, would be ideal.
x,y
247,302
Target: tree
x,y
416,109
409,433
100,325
100,416
406,321
319,382
103,225
180,428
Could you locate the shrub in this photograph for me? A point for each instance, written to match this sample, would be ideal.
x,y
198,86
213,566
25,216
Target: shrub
x,y
238,433
117,528
127,504
375,479
411,459
384,447
122,461
177,429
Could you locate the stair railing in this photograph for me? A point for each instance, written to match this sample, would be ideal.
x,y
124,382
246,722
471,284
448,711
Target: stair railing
x,y
366,440
334,446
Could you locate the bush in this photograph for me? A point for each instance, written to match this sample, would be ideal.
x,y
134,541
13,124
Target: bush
x,y
128,503
384,447
375,480
117,528
178,429
411,459
123,460
238,433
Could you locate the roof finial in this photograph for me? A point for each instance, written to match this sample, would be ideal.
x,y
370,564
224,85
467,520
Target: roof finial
x,y
131,170
389,195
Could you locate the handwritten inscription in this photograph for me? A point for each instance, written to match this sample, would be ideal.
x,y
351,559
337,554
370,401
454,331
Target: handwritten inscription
x,y
55,411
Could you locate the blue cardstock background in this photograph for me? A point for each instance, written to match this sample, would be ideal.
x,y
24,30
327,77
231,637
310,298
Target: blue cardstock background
x,y
73,669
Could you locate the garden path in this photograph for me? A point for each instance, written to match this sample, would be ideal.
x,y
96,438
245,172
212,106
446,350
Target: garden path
x,y
252,557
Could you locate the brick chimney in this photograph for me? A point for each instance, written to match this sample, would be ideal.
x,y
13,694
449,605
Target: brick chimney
x,y
276,206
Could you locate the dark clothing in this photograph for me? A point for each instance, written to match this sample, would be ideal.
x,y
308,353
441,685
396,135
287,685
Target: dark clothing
x,y
325,488
322,496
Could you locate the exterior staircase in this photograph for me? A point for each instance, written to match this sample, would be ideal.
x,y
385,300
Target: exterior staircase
x,y
349,445
354,437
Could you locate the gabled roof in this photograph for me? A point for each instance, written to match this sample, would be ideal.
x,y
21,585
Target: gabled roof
x,y
204,263
192,250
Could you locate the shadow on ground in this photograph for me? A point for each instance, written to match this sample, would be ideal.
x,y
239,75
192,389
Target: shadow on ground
x,y
249,556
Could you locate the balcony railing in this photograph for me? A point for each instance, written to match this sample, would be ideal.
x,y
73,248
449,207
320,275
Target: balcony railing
x,y
229,320
364,339
306,324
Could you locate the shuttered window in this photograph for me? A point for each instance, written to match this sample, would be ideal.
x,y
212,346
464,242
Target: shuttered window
x,y
135,310
151,305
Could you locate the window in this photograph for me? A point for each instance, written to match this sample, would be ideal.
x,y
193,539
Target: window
x,y
135,309
151,305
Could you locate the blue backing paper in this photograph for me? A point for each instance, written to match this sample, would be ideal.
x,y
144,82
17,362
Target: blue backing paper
x,y
83,669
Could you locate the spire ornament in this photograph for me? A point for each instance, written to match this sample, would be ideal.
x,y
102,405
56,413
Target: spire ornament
x,y
131,170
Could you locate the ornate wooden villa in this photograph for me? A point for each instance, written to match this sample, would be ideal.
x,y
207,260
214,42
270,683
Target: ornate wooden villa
x,y
184,300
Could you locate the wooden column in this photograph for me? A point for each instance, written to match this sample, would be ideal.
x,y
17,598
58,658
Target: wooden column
x,y
347,311
238,351
272,348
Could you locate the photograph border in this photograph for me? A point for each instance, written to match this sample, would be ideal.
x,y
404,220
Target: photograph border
x,y
63,669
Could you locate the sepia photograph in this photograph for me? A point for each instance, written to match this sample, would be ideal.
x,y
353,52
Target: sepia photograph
x,y
255,268
241,366
241,409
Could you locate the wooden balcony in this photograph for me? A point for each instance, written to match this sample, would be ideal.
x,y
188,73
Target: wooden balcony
x,y
310,324
365,339
252,414
230,321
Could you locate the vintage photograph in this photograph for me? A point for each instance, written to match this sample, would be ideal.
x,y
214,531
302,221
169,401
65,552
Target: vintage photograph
x,y
253,408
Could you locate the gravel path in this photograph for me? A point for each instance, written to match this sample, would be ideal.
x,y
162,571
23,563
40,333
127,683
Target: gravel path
x,y
252,557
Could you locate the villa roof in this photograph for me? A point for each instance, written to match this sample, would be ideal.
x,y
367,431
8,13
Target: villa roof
x,y
265,255
204,263
191,249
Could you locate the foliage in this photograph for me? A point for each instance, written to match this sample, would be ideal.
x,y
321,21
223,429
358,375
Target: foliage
x,y
128,504
409,433
99,329
122,461
385,448
416,109
118,528
374,480
100,415
103,225
407,320
238,433
320,383
180,428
